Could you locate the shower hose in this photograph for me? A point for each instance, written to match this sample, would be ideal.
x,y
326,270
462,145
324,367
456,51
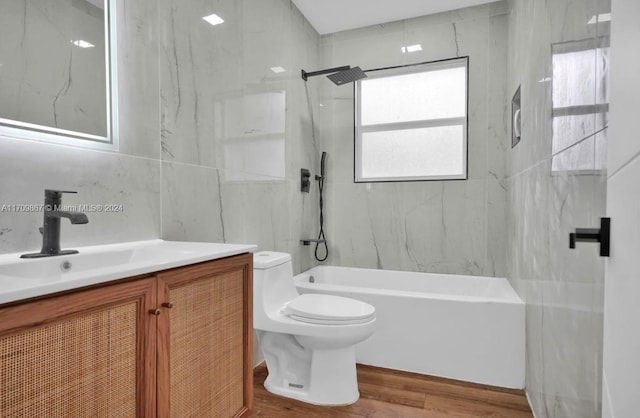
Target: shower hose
x,y
321,234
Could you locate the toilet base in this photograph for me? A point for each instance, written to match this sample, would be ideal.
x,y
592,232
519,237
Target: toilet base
x,y
315,376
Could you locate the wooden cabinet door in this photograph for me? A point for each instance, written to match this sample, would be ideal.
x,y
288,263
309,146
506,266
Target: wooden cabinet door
x,y
85,354
205,339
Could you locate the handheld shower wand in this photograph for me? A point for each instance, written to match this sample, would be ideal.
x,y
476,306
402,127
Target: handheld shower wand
x,y
321,238
322,159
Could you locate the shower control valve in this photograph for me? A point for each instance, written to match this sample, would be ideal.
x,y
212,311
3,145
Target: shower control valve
x,y
305,182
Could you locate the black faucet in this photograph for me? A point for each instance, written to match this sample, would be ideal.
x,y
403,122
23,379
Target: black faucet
x,y
51,226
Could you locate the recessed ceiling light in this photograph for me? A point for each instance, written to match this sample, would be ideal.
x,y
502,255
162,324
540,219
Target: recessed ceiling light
x,y
82,44
278,70
604,17
214,19
411,48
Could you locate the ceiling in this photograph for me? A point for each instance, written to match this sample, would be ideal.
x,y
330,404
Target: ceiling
x,y
328,16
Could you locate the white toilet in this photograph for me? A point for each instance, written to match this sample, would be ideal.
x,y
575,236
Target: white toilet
x,y
307,340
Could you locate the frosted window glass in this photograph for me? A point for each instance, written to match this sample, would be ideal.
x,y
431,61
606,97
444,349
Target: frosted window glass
x,y
600,150
579,78
602,75
437,94
586,153
574,81
421,152
579,157
567,130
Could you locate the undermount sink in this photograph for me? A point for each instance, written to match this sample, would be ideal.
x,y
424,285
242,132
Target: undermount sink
x,y
52,268
26,278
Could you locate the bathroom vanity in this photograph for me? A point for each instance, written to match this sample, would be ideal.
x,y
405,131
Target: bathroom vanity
x,y
159,329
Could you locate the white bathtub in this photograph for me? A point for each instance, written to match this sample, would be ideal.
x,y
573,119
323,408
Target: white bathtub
x,y
460,327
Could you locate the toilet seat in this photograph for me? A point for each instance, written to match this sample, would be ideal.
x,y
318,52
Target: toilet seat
x,y
328,310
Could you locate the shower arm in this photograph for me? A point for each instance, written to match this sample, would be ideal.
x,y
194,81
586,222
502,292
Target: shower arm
x,y
306,75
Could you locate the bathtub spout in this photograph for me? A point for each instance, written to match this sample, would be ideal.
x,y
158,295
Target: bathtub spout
x,y
308,241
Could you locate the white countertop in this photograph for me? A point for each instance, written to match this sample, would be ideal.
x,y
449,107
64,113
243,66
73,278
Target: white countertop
x,y
27,278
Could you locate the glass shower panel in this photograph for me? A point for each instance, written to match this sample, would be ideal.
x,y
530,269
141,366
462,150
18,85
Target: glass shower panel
x,y
571,297
580,104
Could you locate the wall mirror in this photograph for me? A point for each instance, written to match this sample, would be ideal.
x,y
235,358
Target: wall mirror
x,y
58,71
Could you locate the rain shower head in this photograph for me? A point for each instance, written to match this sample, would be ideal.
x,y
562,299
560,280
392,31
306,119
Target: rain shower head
x,y
339,75
347,76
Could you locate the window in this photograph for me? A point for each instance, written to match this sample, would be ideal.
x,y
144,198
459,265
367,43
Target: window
x,y
411,122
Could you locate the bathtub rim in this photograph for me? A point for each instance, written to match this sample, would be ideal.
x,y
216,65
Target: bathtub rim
x,y
511,299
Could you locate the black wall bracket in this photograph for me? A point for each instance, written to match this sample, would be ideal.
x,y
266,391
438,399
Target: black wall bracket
x,y
602,235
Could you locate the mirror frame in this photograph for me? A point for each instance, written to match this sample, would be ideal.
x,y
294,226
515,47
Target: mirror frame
x,y
30,131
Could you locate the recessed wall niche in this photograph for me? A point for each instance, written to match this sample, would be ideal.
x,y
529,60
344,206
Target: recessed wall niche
x,y
516,125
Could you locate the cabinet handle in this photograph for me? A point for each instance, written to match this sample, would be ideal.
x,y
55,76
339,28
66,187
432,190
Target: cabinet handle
x,y
155,312
167,305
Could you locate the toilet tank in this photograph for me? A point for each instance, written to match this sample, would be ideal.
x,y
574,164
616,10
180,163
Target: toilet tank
x,y
273,284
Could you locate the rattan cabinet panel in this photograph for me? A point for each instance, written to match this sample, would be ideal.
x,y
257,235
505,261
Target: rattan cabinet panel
x,y
206,369
206,340
79,355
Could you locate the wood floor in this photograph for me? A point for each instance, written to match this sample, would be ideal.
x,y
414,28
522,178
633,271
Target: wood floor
x,y
388,393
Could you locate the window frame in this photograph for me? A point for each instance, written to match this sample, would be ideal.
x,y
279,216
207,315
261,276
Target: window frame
x,y
425,123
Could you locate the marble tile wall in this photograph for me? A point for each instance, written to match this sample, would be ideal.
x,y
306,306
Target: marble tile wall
x,y
211,138
234,133
433,226
563,288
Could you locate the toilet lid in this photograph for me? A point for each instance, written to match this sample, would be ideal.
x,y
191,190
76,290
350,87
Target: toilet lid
x,y
328,308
